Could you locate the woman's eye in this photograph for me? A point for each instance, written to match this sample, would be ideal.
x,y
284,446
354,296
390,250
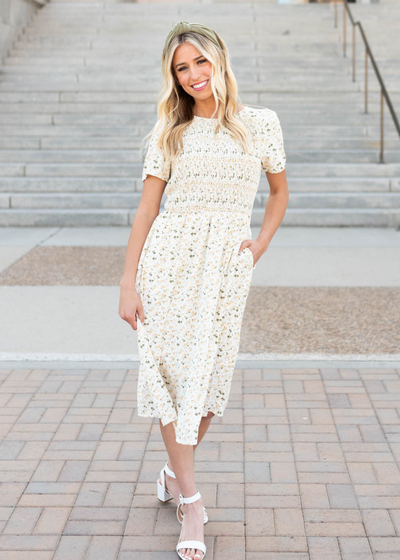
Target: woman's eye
x,y
184,67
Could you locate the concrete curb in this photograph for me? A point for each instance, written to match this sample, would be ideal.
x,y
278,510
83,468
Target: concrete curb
x,y
9,360
44,357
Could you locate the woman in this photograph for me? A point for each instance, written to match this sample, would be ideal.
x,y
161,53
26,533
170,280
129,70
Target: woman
x,y
194,260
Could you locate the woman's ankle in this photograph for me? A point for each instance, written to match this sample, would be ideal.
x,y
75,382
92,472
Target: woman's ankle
x,y
196,506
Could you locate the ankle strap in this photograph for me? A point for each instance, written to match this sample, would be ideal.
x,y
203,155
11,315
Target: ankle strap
x,y
168,470
190,499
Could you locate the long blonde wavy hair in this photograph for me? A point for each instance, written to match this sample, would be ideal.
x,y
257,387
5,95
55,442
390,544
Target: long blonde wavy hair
x,y
175,106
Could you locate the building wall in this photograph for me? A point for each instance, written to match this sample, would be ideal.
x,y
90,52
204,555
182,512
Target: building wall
x,y
14,16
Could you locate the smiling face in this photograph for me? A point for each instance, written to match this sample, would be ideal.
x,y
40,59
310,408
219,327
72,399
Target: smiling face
x,y
193,71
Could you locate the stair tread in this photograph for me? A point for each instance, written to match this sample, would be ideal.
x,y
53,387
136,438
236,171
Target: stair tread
x,y
70,134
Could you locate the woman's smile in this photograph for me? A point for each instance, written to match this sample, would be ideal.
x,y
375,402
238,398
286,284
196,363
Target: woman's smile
x,y
200,85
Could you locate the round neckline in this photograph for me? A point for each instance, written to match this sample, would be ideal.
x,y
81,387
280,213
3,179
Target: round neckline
x,y
216,118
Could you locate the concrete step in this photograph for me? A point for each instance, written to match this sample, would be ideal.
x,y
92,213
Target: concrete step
x,y
293,217
60,217
14,144
89,85
65,201
71,156
360,200
145,107
97,185
335,217
50,131
287,101
353,154
113,200
98,68
133,31
322,123
134,170
40,62
251,79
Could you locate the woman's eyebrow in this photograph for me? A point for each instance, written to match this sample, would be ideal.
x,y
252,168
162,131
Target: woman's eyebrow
x,y
176,66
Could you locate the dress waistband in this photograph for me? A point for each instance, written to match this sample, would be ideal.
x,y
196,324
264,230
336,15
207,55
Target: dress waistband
x,y
203,208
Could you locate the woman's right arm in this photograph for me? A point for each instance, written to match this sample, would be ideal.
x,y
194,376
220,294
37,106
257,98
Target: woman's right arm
x,y
147,211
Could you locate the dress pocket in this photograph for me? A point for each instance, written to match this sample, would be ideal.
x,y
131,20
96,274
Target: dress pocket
x,y
240,263
251,258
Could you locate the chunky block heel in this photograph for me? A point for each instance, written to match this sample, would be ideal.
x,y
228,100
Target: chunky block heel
x,y
163,494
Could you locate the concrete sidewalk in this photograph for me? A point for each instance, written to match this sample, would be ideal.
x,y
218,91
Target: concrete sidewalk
x,y
297,256
302,466
81,319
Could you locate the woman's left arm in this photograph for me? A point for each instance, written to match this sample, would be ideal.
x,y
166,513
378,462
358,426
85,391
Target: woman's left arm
x,y
274,212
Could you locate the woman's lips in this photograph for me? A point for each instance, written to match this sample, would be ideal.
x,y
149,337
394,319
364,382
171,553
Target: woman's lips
x,y
199,89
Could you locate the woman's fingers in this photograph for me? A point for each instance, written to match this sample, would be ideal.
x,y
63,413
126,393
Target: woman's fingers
x,y
140,312
244,244
131,307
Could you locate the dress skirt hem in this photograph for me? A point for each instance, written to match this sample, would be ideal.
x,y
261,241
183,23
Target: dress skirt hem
x,y
167,419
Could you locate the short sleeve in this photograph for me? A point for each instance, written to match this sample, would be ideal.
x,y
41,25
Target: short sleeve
x,y
154,163
272,151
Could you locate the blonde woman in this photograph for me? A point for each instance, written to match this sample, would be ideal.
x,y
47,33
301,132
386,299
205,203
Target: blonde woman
x,y
188,268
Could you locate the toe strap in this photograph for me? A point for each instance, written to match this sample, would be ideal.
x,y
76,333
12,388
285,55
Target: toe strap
x,y
192,544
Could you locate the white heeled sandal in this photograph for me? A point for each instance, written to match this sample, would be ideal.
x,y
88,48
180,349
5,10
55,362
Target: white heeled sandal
x,y
190,544
164,495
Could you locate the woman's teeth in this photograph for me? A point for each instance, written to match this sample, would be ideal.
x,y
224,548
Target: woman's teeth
x,y
200,86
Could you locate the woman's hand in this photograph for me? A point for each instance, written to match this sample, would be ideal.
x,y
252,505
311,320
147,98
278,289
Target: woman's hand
x,y
130,305
256,247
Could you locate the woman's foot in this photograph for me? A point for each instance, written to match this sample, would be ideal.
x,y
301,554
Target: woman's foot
x,y
192,529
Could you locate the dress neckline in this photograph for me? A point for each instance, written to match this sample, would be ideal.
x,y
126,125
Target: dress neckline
x,y
215,118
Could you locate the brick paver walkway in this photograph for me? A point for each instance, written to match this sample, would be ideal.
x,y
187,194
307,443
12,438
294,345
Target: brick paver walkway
x,y
303,465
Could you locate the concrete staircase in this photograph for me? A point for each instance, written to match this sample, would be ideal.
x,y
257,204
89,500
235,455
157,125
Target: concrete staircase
x,y
78,92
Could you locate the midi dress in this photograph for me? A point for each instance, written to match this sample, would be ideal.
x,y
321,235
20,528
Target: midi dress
x,y
191,278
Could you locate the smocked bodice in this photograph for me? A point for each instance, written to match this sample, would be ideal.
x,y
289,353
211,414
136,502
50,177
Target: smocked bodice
x,y
213,173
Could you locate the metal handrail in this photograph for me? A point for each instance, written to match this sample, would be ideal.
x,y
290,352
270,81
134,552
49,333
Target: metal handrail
x,y
368,53
41,3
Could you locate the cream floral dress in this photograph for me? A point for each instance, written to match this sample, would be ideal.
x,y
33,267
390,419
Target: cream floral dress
x,y
192,280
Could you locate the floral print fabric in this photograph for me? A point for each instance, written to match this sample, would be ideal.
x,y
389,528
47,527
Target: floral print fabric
x,y
192,280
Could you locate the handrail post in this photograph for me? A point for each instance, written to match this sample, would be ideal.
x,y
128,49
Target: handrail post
x,y
366,80
344,28
354,53
382,109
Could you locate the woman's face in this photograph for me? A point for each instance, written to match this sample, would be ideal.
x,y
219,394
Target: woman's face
x,y
192,69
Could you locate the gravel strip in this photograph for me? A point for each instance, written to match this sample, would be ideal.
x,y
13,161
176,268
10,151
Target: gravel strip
x,y
323,319
67,266
277,319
